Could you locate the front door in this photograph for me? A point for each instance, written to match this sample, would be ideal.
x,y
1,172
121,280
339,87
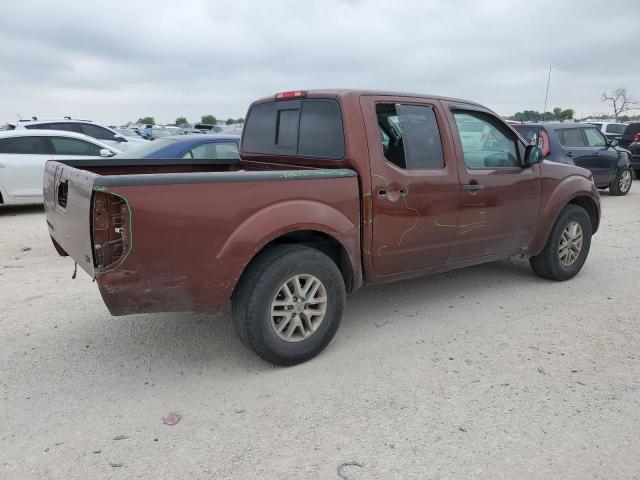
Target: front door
x,y
605,158
499,199
414,178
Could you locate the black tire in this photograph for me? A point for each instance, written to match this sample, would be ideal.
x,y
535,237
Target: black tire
x,y
615,187
637,172
547,264
251,308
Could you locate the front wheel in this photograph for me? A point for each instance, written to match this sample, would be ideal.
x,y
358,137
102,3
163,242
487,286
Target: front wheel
x,y
567,247
621,184
289,304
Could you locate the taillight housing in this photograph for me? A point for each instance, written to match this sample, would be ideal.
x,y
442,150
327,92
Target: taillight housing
x,y
636,137
291,94
111,228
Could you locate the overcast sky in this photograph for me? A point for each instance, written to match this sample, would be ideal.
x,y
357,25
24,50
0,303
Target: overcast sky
x,y
116,61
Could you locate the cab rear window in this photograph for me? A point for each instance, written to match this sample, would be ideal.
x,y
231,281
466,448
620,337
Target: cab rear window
x,y
302,128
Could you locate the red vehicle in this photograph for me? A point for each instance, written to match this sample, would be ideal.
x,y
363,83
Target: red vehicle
x,y
335,189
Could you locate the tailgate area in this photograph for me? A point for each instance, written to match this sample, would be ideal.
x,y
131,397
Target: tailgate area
x,y
68,201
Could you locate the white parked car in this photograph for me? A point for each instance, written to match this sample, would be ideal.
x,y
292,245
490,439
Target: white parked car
x,y
86,127
23,154
613,131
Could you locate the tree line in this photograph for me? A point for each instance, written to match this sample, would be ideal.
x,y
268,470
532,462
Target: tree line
x,y
208,119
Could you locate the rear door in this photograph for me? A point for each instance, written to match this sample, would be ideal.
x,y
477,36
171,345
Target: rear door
x,y
575,147
605,158
22,161
414,179
499,199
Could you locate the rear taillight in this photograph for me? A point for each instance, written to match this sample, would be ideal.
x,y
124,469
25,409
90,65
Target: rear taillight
x,y
636,137
291,94
111,226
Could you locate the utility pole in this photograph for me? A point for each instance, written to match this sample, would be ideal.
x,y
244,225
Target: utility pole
x,y
546,96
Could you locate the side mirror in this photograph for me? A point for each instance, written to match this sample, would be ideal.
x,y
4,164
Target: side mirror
x,y
612,143
106,153
532,155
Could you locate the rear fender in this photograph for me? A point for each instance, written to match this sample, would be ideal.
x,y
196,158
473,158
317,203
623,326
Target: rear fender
x,y
283,218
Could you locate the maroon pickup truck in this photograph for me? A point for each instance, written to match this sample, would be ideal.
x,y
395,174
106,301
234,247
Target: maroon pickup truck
x,y
335,189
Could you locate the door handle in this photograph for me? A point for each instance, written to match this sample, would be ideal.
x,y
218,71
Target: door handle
x,y
472,187
597,154
570,154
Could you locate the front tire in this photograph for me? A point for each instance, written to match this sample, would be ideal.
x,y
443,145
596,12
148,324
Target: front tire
x,y
289,304
567,247
622,183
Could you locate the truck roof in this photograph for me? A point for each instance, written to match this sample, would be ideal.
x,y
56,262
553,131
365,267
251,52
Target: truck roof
x,y
347,92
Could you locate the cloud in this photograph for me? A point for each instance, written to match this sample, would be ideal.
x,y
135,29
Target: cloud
x,y
115,61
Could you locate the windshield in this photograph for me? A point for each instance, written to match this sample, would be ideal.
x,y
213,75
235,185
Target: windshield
x,y
147,148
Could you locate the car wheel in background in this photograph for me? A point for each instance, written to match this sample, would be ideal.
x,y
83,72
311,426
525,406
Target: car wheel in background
x,y
289,304
567,247
622,183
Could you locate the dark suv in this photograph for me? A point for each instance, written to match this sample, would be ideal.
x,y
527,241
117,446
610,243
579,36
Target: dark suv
x,y
583,145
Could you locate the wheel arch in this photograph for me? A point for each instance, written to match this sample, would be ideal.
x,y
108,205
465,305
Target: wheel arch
x,y
318,240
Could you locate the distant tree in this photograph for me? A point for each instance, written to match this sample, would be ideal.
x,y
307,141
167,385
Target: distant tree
x,y
208,119
557,113
567,114
229,121
146,121
180,121
620,100
240,120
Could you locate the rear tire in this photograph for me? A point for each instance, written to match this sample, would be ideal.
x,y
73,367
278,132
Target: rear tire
x,y
567,247
637,172
276,317
622,183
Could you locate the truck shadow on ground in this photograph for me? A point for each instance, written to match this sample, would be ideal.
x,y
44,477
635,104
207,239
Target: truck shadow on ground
x,y
193,341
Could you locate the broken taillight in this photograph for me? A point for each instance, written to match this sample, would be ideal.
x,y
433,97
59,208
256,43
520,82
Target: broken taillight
x,y
111,230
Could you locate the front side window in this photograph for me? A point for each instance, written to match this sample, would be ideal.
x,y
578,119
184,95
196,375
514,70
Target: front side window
x,y
486,142
571,137
74,146
96,132
307,128
25,145
410,136
594,138
215,151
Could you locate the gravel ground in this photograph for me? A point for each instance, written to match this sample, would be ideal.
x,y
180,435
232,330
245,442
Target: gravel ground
x,y
487,372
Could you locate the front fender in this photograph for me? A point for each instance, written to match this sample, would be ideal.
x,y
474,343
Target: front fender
x,y
559,195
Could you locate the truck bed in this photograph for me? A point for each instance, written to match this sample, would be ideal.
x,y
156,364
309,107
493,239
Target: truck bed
x,y
170,235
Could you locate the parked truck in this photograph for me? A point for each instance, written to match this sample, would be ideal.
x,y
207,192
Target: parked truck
x,y
335,189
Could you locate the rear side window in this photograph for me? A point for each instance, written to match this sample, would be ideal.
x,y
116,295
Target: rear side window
x,y
25,145
64,126
74,146
307,128
571,137
409,136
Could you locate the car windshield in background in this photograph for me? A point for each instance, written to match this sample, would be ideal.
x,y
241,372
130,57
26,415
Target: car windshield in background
x,y
127,132
147,148
160,132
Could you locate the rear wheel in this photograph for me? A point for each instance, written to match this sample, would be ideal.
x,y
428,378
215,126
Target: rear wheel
x,y
621,184
567,247
289,304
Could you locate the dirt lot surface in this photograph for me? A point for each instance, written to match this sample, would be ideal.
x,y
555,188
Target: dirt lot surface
x,y
488,372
